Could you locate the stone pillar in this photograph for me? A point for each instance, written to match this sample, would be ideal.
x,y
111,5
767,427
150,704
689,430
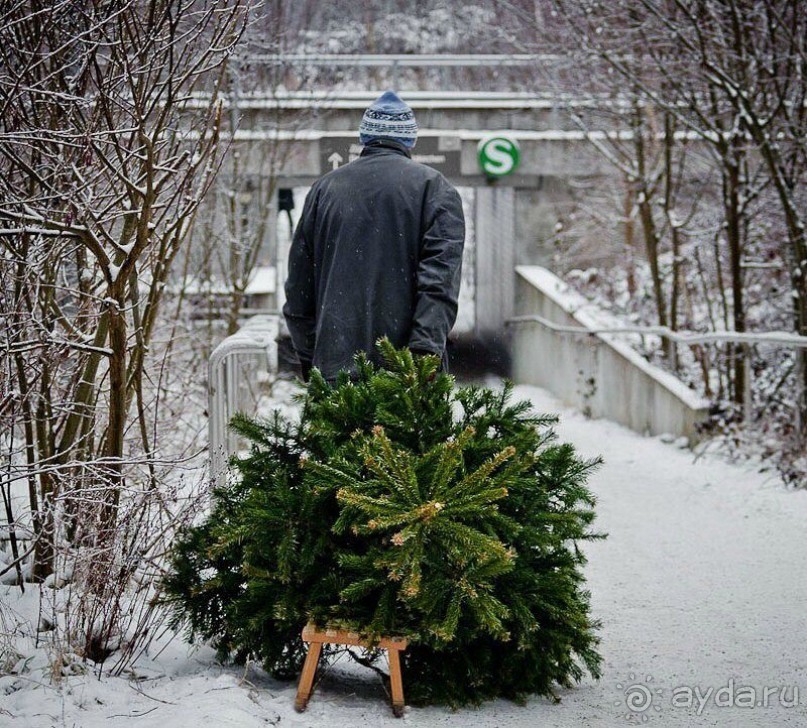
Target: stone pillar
x,y
495,259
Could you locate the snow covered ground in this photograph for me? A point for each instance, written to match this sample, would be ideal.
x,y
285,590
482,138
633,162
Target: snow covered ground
x,y
701,587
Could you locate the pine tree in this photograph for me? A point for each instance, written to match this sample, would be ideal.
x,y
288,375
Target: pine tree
x,y
401,505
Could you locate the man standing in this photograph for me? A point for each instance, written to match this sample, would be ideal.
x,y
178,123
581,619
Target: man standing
x,y
377,251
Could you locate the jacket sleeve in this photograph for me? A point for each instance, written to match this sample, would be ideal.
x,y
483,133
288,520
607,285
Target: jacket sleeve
x,y
439,271
300,307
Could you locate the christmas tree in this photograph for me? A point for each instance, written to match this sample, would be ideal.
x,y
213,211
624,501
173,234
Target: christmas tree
x,y
401,505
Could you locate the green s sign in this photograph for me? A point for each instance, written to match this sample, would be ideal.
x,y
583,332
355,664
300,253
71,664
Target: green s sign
x,y
498,156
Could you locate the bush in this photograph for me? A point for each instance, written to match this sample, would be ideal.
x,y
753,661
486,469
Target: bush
x,y
401,505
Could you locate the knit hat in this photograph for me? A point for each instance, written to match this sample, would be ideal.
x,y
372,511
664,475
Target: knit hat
x,y
390,118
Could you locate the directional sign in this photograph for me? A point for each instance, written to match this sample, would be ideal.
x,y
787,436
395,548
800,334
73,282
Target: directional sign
x,y
442,153
498,155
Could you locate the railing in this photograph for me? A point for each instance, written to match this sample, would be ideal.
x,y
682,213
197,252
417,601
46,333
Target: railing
x,y
564,343
237,367
401,60
779,338
412,60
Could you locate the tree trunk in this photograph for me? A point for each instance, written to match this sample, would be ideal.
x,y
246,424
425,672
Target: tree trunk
x,y
113,451
651,238
731,201
675,237
627,211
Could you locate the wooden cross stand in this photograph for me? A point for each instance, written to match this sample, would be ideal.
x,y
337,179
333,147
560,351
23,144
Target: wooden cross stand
x,y
316,638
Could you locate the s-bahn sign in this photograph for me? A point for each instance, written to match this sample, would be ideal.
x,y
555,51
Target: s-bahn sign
x,y
498,155
442,153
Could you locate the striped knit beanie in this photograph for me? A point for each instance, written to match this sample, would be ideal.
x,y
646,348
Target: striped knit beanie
x,y
390,118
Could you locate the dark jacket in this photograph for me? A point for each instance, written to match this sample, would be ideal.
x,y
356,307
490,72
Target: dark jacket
x,y
377,252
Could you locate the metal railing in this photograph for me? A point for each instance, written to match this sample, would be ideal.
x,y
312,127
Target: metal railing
x,y
236,366
410,60
405,60
747,339
781,338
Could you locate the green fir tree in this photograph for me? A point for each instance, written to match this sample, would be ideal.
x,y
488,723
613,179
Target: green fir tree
x,y
401,505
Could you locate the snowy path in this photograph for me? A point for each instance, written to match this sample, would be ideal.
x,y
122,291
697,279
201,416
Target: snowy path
x,y
701,582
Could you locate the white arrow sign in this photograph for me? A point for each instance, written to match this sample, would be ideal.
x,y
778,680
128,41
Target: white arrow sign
x,y
335,159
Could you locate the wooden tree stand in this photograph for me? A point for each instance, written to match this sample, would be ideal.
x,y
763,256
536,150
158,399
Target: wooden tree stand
x,y
316,638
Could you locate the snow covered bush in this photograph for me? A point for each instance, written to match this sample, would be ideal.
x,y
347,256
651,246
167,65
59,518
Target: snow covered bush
x,y
400,505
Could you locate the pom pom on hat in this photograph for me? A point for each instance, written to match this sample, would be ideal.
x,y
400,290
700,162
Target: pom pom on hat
x,y
390,118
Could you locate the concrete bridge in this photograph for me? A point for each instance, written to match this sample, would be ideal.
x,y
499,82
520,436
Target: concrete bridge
x,y
297,137
309,127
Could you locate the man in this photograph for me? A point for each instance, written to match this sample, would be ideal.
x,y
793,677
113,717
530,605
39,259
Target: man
x,y
377,251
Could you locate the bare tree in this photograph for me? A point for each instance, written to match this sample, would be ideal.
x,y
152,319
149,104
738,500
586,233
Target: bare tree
x,y
729,74
242,207
103,165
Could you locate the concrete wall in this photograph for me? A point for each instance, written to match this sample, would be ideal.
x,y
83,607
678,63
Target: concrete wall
x,y
594,373
537,212
495,258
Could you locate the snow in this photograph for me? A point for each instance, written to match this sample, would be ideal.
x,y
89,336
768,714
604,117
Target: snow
x,y
262,280
699,585
545,135
467,101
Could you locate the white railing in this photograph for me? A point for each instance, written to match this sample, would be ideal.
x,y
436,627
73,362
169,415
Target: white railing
x,y
238,366
409,60
782,338
575,355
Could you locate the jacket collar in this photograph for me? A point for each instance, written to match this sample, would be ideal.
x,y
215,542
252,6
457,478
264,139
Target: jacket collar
x,y
385,146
